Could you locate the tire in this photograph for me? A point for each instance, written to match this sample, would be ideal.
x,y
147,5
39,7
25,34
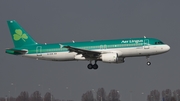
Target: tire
x,y
90,66
95,66
148,63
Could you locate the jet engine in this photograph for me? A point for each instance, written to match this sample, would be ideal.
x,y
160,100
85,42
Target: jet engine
x,y
111,58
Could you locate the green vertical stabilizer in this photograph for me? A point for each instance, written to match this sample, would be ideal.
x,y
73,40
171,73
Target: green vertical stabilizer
x,y
19,36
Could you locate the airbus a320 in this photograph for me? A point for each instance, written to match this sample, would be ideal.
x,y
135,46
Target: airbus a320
x,y
108,51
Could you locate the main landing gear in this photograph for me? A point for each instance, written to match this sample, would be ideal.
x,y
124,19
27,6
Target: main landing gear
x,y
148,62
92,66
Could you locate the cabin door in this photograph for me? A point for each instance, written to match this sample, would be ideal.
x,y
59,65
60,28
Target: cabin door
x,y
146,43
39,51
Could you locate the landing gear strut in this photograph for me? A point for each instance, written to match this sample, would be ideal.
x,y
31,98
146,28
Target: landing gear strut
x,y
148,62
91,66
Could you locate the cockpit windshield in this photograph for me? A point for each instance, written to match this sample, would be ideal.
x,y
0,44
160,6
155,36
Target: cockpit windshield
x,y
159,42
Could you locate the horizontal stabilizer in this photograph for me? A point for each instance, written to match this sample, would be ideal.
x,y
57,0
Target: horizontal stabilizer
x,y
16,51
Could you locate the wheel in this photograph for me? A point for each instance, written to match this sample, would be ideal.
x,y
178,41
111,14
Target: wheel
x,y
95,66
89,66
148,63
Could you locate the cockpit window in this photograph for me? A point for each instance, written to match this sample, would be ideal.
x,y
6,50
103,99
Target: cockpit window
x,y
159,42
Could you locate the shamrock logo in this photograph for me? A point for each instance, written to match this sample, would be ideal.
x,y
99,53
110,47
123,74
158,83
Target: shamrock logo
x,y
19,35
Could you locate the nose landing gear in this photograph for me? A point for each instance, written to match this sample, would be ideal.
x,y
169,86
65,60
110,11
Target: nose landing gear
x,y
148,62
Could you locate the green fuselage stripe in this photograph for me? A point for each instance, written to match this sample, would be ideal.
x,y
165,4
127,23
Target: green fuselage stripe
x,y
92,45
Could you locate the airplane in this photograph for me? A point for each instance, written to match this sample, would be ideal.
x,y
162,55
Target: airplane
x,y
108,51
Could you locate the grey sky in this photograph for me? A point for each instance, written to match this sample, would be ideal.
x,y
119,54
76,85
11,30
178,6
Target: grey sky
x,y
50,21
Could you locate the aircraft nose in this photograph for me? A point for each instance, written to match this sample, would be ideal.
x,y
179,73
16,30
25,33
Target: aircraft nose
x,y
167,48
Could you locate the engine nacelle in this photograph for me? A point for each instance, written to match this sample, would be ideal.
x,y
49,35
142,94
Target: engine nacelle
x,y
111,58
79,57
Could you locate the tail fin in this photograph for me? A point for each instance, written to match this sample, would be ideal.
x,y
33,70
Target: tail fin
x,y
19,36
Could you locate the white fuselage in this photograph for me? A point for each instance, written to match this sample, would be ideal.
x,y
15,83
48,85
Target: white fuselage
x,y
122,52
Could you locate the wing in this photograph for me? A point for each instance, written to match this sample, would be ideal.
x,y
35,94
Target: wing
x,y
85,53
